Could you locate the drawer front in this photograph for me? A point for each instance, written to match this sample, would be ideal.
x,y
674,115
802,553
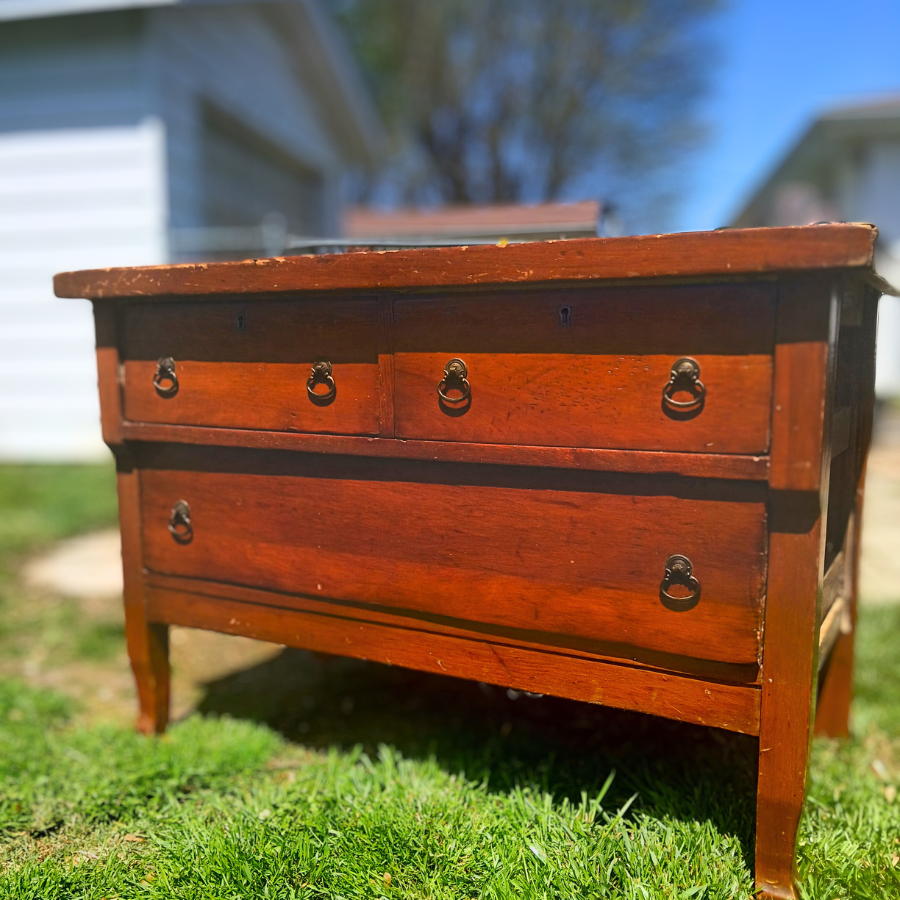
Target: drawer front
x,y
590,369
551,555
248,365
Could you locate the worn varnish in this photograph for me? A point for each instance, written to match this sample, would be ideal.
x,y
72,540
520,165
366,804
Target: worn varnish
x,y
516,549
553,523
249,368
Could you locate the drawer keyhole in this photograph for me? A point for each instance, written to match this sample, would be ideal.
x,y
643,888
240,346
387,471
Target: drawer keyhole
x,y
565,315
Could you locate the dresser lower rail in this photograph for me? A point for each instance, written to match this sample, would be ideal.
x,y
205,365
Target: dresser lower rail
x,y
733,467
694,700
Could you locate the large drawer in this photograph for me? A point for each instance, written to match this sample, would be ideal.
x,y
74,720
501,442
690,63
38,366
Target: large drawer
x,y
589,368
576,556
247,365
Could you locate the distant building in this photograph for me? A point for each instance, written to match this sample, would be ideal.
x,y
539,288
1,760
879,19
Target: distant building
x,y
846,167
127,127
514,222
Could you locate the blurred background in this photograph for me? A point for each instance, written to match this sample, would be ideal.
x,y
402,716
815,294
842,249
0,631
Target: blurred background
x,y
151,131
161,131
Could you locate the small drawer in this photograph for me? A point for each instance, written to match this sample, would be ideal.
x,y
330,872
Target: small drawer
x,y
250,365
554,556
684,369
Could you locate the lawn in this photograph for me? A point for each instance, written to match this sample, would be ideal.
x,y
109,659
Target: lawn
x,y
308,778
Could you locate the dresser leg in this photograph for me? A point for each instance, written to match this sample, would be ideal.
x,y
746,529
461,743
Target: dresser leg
x,y
148,648
148,642
788,686
833,708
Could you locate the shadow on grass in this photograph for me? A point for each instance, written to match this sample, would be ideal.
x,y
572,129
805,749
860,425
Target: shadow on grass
x,y
501,738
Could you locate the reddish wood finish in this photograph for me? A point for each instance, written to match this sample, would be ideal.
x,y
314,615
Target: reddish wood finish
x,y
701,254
727,673
836,692
108,374
148,642
724,706
691,465
804,332
240,368
856,378
596,380
521,549
521,542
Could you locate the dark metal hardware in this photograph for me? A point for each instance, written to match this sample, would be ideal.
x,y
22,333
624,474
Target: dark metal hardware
x,y
180,523
455,376
565,315
685,376
321,374
679,571
165,372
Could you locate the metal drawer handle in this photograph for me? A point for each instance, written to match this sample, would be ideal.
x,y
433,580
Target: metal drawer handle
x,y
679,571
180,523
455,374
685,376
165,372
321,374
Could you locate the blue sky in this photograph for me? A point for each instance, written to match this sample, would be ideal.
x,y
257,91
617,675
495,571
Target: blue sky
x,y
781,63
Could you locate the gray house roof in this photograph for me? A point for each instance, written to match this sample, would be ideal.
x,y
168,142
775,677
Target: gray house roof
x,y
322,58
815,157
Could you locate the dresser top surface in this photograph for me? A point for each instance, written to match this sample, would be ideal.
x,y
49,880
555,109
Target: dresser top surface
x,y
726,253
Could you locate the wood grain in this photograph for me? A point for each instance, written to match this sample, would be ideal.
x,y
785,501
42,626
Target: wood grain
x,y
596,380
732,707
604,651
805,343
249,368
697,465
702,254
598,401
798,406
105,327
270,396
517,549
147,642
386,366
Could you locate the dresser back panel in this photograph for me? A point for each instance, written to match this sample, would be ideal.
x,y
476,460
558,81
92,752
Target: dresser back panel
x,y
246,365
543,551
588,368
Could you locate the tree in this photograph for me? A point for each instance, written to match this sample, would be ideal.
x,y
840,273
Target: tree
x,y
526,100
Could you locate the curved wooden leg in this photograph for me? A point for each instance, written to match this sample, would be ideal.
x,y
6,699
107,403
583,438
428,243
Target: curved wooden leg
x,y
148,642
833,707
789,683
148,649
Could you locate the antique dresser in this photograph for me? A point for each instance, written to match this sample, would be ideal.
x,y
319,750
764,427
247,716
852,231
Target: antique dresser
x,y
625,471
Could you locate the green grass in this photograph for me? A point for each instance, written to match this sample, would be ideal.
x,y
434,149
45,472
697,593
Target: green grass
x,y
305,778
40,504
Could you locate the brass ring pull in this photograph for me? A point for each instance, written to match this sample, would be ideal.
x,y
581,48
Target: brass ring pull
x,y
455,377
321,374
680,571
165,372
685,376
180,523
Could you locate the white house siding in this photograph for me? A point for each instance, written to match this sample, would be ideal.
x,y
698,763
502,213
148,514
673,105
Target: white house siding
x,y
111,132
80,186
238,63
69,199
877,199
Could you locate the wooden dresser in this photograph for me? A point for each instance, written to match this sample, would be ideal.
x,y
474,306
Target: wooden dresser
x,y
625,471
